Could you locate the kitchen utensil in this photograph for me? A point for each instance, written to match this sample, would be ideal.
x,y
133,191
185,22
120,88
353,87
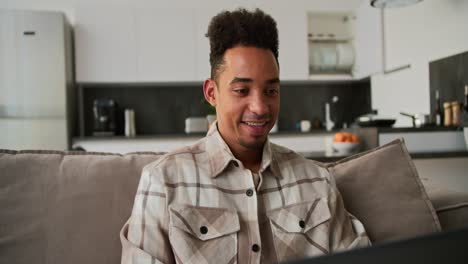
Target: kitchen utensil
x,y
419,120
374,120
305,125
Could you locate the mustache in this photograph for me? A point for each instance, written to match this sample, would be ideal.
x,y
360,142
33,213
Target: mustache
x,y
257,117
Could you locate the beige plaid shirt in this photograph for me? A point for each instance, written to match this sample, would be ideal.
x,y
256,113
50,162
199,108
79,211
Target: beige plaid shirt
x,y
200,205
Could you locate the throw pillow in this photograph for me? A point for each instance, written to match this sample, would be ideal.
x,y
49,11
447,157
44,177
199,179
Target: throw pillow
x,y
381,187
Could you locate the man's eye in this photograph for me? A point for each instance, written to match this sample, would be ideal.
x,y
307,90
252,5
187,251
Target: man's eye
x,y
272,91
241,91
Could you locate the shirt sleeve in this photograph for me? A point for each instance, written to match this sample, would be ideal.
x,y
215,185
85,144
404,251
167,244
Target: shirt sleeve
x,y
144,236
347,231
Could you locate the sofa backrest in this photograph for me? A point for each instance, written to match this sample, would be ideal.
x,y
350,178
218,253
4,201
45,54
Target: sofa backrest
x,y
66,207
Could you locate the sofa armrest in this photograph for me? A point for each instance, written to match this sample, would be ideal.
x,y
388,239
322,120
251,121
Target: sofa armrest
x,y
451,207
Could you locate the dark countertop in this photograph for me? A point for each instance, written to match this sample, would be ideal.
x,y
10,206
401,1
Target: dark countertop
x,y
202,134
419,129
279,133
320,156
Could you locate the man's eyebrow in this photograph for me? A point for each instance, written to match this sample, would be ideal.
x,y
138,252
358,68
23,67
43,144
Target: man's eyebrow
x,y
272,81
241,80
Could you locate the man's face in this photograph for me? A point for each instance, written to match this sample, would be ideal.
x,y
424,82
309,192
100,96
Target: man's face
x,y
246,96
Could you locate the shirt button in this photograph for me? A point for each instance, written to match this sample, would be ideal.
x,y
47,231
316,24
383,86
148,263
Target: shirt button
x,y
203,230
249,192
302,223
255,248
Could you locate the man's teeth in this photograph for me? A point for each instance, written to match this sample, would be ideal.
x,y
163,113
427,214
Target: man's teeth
x,y
255,123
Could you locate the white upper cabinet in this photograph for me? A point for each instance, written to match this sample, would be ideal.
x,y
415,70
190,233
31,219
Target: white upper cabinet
x,y
150,44
165,44
105,43
292,33
202,43
368,41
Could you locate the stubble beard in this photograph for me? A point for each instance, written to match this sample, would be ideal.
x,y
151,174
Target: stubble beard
x,y
256,145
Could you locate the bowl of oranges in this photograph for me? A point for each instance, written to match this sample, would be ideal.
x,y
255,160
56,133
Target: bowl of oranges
x,y
345,143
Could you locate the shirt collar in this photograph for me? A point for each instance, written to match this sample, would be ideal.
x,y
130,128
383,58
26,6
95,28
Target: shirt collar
x,y
220,156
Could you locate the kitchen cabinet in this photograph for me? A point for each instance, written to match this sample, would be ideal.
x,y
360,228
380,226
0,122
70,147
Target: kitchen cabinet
x,y
346,44
292,34
127,44
368,41
122,44
105,43
165,49
202,43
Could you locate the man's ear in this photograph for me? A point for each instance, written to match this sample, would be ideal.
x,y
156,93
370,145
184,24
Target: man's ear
x,y
209,90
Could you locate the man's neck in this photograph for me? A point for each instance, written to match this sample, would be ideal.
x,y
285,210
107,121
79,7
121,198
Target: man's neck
x,y
251,158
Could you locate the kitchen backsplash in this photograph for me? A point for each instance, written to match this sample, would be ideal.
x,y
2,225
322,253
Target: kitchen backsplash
x,y
162,108
449,76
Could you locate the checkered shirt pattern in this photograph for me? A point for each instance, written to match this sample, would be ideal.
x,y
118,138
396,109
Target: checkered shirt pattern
x,y
199,204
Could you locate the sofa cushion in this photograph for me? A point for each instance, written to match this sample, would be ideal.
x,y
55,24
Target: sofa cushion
x,y
66,207
451,206
381,187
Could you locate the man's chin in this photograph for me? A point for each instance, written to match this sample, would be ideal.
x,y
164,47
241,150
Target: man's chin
x,y
253,144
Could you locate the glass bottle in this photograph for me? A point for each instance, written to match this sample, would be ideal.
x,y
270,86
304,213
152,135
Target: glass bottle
x,y
455,113
465,104
447,114
438,114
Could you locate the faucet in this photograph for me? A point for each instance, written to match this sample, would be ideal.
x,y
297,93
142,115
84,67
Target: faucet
x,y
329,124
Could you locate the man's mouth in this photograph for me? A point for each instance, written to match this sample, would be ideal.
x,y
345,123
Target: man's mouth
x,y
256,128
255,123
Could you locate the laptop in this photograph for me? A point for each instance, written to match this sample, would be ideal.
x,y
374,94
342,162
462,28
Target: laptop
x,y
447,247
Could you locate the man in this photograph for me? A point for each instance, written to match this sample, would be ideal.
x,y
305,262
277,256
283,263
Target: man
x,y
234,197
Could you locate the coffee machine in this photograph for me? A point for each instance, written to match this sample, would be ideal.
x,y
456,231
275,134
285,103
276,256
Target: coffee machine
x,y
104,112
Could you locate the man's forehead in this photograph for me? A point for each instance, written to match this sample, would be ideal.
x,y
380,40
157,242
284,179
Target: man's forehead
x,y
251,80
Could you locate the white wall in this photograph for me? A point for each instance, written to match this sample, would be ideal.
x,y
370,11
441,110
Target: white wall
x,y
416,35
68,6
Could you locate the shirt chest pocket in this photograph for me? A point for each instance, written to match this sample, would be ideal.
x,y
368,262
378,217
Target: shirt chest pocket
x,y
203,234
301,229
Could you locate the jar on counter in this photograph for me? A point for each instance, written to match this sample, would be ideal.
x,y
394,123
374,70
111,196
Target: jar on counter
x,y
455,113
447,114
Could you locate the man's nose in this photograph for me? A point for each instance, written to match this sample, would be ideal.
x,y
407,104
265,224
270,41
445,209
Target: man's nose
x,y
258,105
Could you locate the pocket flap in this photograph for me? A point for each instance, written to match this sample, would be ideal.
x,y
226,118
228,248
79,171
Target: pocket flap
x,y
300,217
204,222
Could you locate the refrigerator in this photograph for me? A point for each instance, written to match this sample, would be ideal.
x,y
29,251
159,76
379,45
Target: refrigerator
x,y
36,80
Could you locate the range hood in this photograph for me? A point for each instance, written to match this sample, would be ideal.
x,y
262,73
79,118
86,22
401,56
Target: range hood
x,y
392,3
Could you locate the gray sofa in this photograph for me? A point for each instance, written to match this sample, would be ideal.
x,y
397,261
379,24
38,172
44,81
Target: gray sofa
x,y
68,207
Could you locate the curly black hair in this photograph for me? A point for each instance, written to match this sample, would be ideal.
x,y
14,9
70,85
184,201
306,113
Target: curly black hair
x,y
240,27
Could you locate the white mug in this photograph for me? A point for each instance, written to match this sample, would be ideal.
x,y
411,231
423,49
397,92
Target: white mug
x,y
305,125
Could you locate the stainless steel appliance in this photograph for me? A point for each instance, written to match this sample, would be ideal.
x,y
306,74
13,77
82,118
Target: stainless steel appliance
x,y
36,80
104,117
